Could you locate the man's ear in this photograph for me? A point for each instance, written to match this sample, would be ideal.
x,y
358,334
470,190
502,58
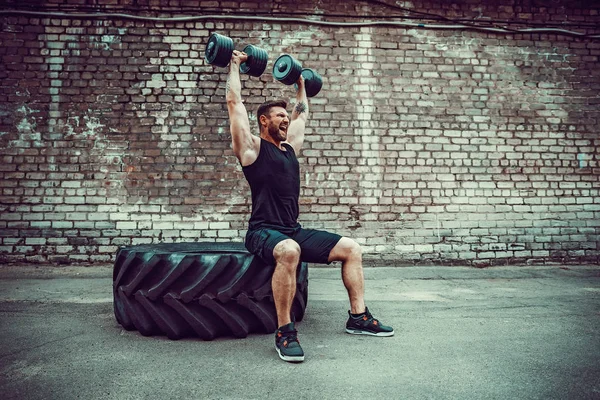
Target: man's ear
x,y
262,119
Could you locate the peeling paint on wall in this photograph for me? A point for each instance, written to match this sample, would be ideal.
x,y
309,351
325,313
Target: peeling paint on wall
x,y
106,42
27,123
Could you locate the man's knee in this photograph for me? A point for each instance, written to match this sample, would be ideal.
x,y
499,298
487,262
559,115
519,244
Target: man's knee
x,y
346,249
354,249
287,253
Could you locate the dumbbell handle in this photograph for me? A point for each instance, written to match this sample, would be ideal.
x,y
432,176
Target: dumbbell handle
x,y
220,49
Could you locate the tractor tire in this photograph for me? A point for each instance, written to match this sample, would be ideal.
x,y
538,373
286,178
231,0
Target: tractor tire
x,y
204,290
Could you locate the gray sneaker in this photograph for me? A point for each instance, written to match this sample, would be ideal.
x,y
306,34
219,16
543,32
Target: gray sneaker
x,y
287,344
365,324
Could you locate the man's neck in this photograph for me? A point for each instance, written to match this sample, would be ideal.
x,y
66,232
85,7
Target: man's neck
x,y
270,139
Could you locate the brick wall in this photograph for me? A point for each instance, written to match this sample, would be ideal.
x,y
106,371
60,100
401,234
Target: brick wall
x,y
448,146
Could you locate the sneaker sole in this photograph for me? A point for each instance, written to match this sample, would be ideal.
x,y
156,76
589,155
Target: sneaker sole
x,y
360,332
296,359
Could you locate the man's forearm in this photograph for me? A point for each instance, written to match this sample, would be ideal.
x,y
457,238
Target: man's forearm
x,y
233,89
301,108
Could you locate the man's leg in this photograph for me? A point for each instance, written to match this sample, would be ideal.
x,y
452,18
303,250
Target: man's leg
x,y
350,254
287,257
274,247
360,321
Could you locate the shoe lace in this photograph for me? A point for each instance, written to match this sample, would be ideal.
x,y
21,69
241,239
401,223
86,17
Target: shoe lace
x,y
369,319
290,336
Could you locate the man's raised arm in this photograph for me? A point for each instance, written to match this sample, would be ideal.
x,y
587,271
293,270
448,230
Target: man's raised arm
x,y
299,118
245,145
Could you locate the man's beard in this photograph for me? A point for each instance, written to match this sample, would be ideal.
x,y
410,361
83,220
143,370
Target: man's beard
x,y
277,134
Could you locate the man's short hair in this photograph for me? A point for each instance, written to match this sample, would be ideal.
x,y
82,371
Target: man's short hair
x,y
265,108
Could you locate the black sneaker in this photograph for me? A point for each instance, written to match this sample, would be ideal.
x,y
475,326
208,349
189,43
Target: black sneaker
x,y
287,344
365,324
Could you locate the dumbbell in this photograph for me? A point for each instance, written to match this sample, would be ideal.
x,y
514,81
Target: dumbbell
x,y
287,70
219,50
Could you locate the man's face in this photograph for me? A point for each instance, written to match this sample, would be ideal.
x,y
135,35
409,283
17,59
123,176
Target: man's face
x,y
278,123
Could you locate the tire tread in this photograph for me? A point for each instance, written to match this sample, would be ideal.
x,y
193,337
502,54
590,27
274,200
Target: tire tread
x,y
203,290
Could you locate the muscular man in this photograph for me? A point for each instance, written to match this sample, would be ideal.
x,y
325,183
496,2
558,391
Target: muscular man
x,y
270,165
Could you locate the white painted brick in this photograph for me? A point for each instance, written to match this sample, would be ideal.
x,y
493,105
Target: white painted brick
x,y
62,224
423,248
127,225
162,225
141,240
98,216
219,225
118,216
35,241
228,233
64,249
200,225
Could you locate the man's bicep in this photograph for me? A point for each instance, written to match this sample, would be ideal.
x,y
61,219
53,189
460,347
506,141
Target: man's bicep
x,y
241,136
296,134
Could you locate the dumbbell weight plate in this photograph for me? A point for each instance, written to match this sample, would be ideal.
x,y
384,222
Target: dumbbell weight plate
x,y
218,50
287,69
257,61
313,82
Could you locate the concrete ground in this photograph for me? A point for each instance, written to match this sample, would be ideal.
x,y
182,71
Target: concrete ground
x,y
461,333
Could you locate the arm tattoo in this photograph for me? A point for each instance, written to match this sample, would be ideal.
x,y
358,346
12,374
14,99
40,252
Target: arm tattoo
x,y
300,107
227,87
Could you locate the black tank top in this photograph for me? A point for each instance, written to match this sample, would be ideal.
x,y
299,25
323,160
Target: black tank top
x,y
274,180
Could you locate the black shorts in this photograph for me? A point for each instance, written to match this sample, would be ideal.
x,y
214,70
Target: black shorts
x,y
315,245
